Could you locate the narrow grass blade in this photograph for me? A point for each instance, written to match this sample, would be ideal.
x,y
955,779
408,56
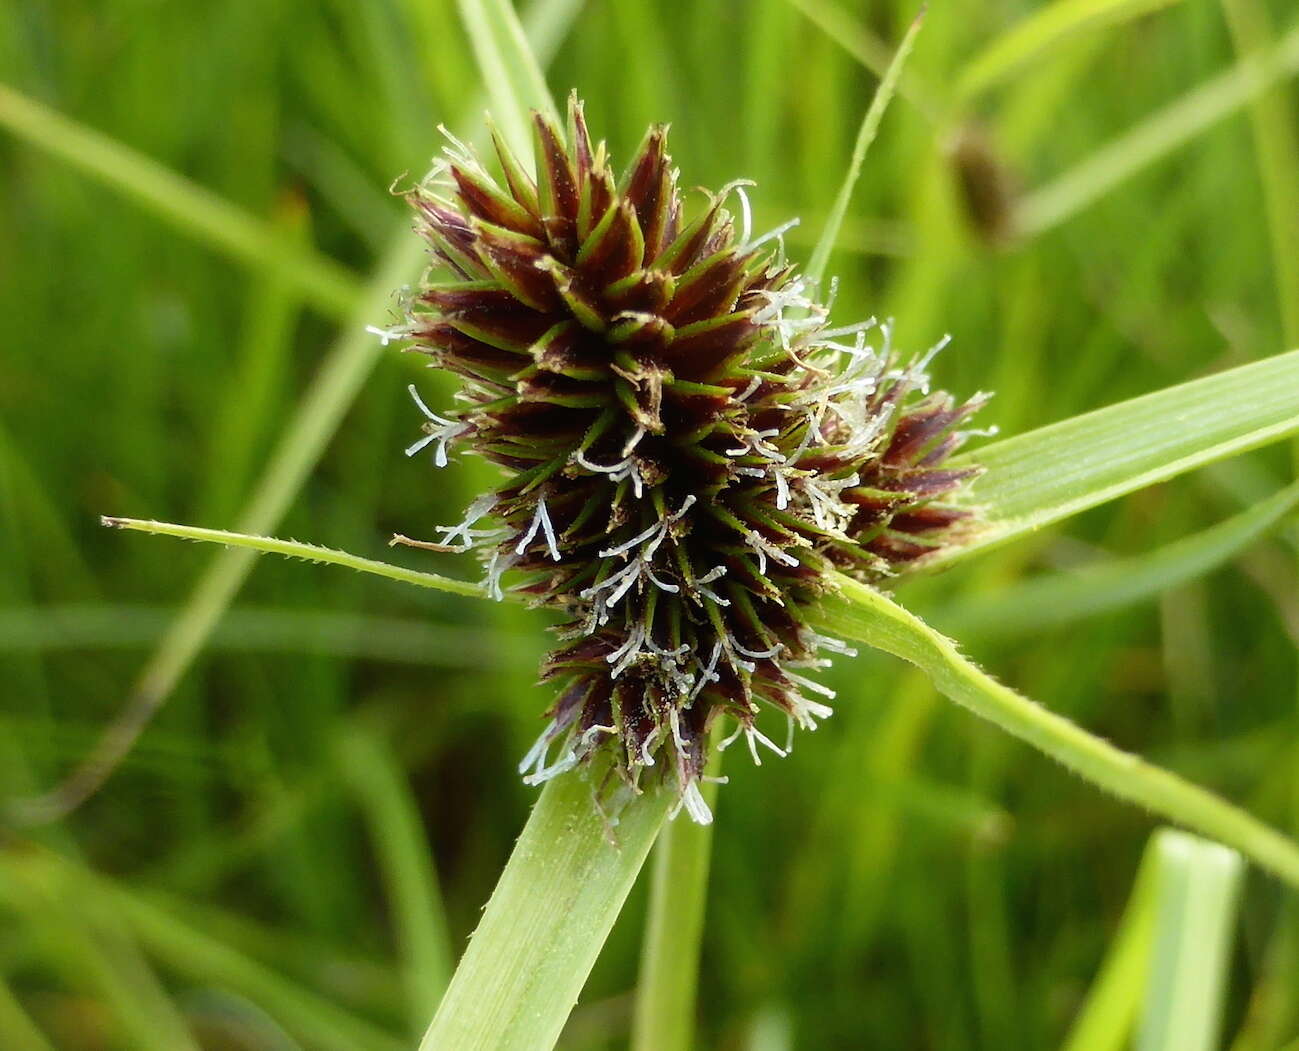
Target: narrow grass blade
x,y
509,69
1109,1011
28,509
190,208
327,399
1041,30
345,369
1156,137
664,1018
547,919
1277,144
405,861
842,26
1044,602
1197,894
16,1025
94,954
318,1022
296,549
868,826
861,613
196,954
246,407
865,136
1040,477
851,34
1271,1015
256,629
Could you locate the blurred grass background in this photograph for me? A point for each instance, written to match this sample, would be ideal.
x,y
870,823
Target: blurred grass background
x,y
257,874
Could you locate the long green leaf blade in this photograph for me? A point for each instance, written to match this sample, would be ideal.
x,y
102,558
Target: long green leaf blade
x,y
405,859
1156,137
1043,602
865,615
342,373
1198,891
549,915
1040,477
1109,1011
510,71
1041,30
865,136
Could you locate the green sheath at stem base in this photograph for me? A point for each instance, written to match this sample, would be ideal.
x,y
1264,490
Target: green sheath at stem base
x,y
547,920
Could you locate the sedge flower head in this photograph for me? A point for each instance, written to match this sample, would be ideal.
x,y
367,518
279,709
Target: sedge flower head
x,y
690,449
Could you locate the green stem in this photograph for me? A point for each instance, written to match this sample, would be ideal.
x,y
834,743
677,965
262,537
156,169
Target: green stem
x,y
865,136
665,1001
540,935
865,615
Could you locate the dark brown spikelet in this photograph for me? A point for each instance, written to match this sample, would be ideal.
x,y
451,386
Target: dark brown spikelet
x,y
987,187
688,448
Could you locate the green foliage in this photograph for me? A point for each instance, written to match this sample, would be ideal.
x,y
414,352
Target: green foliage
x,y
550,913
862,614
905,878
1051,599
1035,479
1198,887
1167,961
870,126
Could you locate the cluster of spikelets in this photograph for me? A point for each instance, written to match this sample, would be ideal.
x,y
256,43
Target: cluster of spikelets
x,y
689,450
